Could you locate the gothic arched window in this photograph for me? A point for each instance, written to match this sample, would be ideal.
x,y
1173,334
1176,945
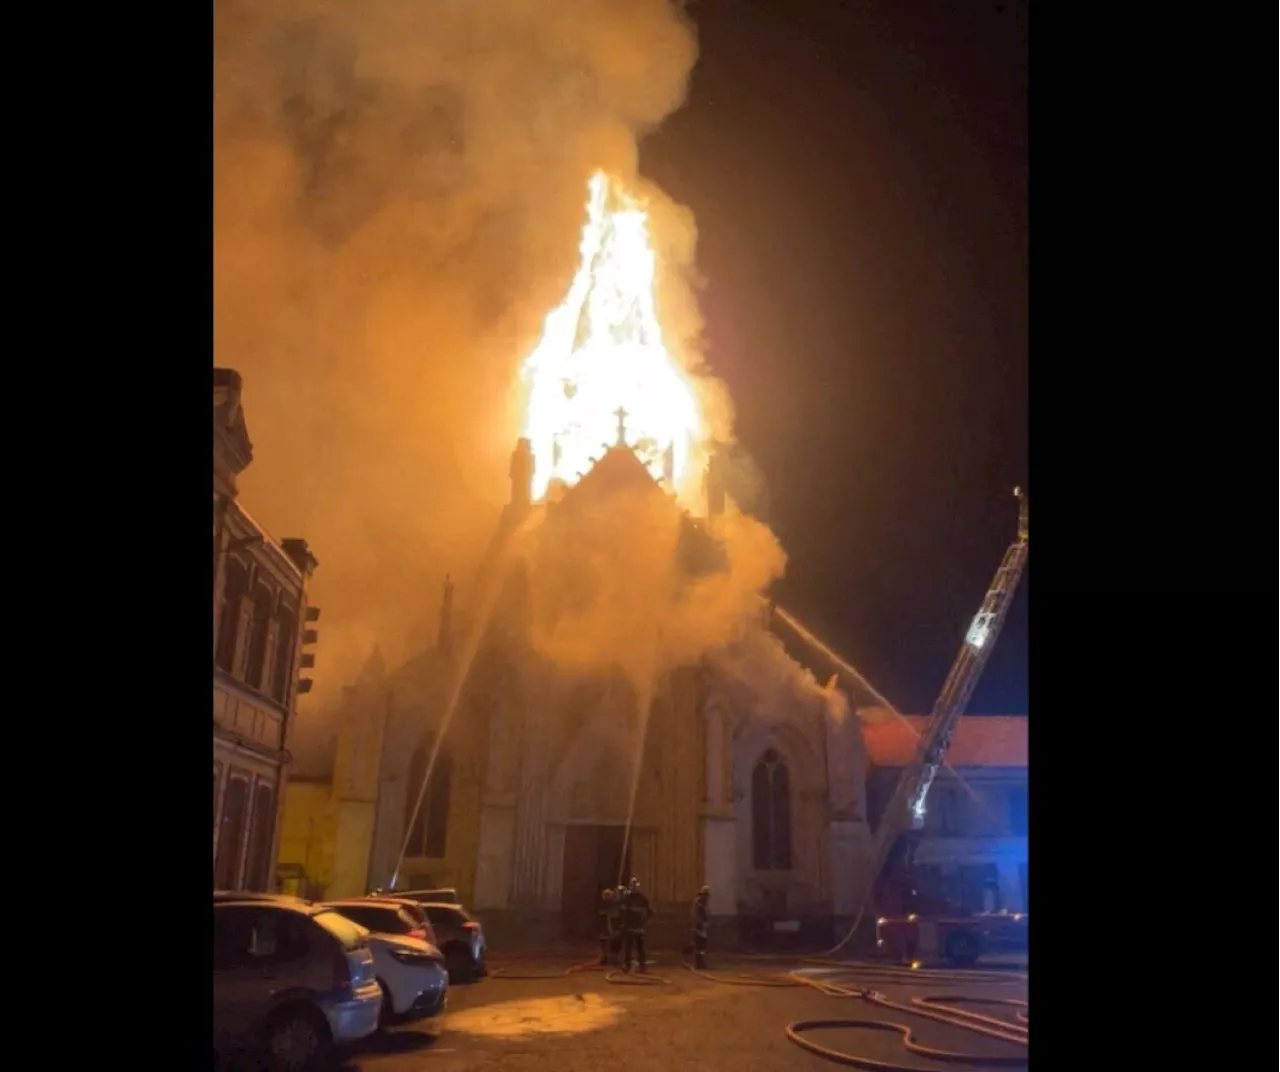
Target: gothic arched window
x,y
771,813
430,829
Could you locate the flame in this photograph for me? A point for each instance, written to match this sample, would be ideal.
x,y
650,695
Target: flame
x,y
601,372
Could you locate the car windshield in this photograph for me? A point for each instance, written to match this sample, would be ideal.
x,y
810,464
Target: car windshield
x,y
348,932
447,914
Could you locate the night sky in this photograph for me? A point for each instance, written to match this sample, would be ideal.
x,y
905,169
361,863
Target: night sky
x,y
859,177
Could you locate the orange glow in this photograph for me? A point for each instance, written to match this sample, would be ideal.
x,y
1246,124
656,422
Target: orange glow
x,y
602,351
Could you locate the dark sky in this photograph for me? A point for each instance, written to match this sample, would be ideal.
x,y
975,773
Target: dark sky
x,y
859,177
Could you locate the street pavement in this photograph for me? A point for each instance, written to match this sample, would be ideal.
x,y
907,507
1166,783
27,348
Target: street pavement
x,y
584,1023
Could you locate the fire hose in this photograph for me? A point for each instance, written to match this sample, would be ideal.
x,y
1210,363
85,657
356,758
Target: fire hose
x,y
611,974
938,1008
941,1008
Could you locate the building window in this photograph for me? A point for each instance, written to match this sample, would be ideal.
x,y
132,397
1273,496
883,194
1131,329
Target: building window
x,y
771,813
1018,812
430,827
259,624
226,866
286,634
235,584
261,832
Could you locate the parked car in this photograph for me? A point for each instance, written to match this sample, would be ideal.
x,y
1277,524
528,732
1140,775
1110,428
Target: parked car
x,y
414,910
411,972
460,937
414,977
290,981
387,917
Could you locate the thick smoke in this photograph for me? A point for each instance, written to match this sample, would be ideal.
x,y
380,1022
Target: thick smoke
x,y
762,676
399,196
399,187
624,579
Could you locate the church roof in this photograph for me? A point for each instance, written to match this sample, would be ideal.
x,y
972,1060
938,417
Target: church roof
x,y
978,741
619,469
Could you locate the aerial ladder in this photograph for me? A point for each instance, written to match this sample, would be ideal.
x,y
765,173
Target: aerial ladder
x,y
896,837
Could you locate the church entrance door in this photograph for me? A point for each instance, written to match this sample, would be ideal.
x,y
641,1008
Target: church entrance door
x,y
593,859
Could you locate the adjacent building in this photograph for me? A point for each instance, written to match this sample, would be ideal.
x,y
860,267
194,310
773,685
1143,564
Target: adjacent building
x,y
260,630
973,848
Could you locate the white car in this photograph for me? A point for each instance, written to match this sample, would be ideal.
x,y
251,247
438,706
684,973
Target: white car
x,y
415,982
411,972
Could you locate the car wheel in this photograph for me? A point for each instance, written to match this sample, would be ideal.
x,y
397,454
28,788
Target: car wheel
x,y
297,1040
457,962
962,949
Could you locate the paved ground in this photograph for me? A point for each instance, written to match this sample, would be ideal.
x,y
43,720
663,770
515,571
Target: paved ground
x,y
585,1024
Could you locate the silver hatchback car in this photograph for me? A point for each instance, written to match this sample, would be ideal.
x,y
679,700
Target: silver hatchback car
x,y
290,981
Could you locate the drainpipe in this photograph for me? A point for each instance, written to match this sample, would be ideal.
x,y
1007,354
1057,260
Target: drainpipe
x,y
224,507
290,697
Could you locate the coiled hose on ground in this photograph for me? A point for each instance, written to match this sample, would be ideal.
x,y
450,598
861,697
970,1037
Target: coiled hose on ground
x,y
942,1008
611,974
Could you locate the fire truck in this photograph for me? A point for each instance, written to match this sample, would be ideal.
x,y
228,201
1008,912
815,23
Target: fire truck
x,y
915,927
940,930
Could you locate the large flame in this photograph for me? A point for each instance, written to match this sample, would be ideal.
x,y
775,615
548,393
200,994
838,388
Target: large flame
x,y
601,372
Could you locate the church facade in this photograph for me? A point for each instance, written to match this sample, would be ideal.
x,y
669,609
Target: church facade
x,y
546,784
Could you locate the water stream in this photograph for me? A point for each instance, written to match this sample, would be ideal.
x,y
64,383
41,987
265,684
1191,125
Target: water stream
x,y
476,637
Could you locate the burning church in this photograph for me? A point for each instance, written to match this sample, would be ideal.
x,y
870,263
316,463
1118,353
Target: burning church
x,y
607,701
516,764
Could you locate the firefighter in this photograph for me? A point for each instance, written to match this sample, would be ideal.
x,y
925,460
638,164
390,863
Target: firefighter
x,y
636,914
700,903
619,922
608,912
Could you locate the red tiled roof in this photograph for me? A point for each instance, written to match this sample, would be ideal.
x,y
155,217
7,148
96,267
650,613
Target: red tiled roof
x,y
978,741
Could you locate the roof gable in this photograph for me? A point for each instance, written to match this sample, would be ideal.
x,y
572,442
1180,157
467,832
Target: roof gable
x,y
978,741
619,470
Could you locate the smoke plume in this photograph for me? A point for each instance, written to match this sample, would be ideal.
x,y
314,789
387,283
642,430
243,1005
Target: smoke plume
x,y
399,195
398,200
766,680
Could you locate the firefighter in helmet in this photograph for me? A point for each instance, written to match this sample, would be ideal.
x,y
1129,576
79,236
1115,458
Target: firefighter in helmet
x,y
619,923
635,914
700,914
607,914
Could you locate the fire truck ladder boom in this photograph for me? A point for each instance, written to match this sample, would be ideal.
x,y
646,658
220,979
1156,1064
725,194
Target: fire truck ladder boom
x,y
907,807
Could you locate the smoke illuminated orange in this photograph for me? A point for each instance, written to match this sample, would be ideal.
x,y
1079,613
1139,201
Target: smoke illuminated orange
x,y
602,351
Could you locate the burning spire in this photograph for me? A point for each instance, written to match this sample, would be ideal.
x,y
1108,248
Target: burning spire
x,y
602,357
